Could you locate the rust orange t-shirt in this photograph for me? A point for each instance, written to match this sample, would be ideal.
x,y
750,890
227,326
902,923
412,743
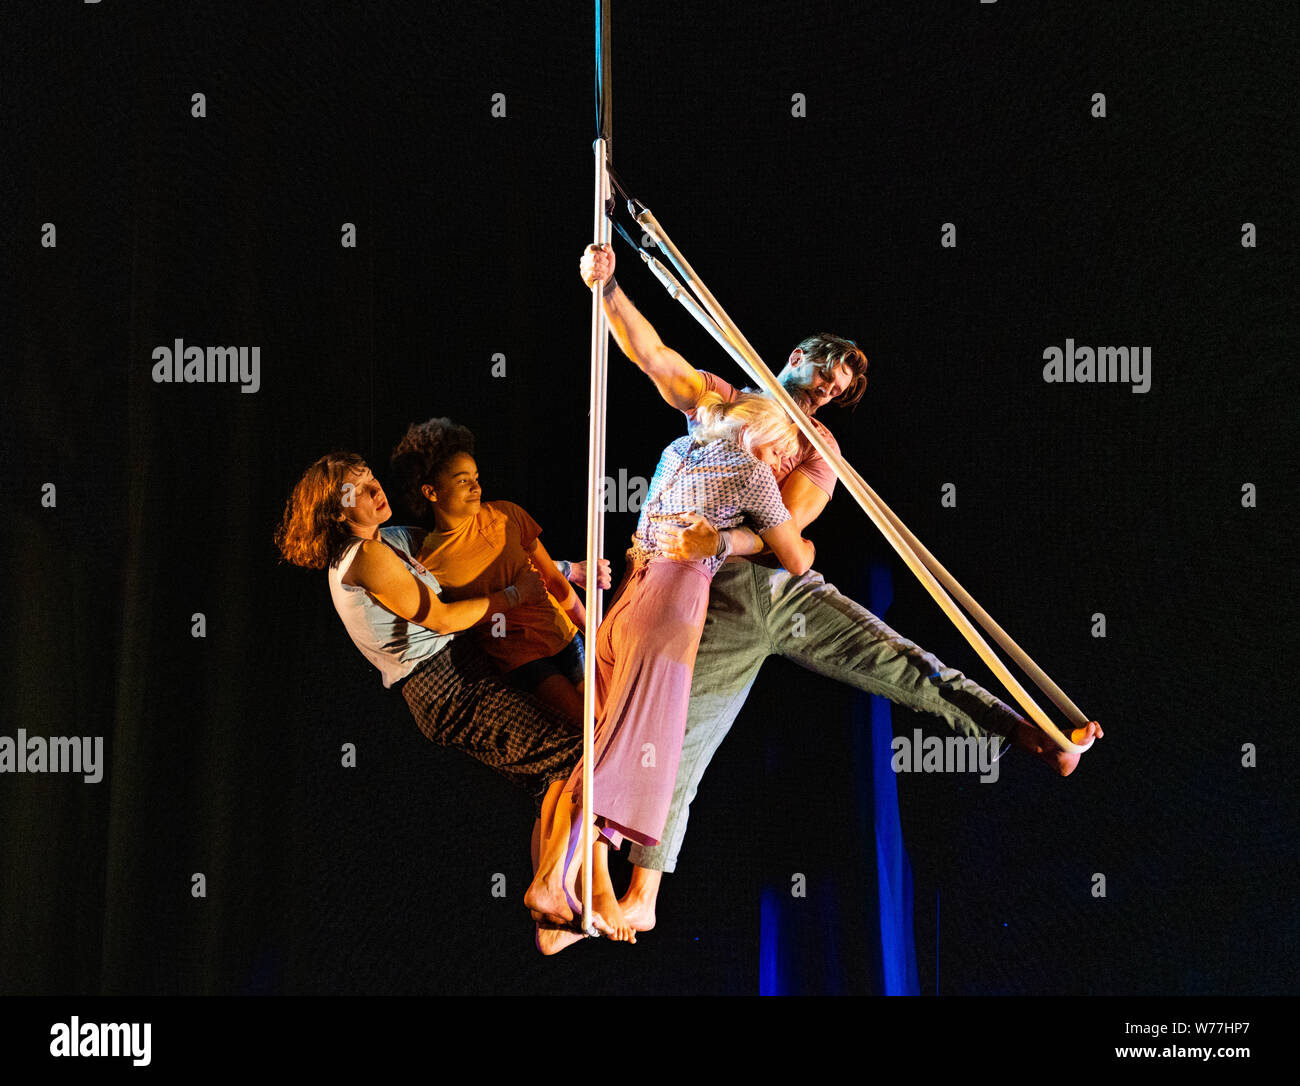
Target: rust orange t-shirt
x,y
484,555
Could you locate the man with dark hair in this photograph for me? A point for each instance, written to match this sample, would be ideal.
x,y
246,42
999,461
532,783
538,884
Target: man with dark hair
x,y
758,609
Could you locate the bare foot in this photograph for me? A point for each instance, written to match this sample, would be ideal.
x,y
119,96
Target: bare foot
x,y
639,913
1062,762
547,900
551,939
608,916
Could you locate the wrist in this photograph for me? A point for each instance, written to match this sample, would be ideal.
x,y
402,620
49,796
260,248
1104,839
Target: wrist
x,y
611,285
724,545
565,567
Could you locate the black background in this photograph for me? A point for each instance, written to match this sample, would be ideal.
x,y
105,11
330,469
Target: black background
x,y
223,752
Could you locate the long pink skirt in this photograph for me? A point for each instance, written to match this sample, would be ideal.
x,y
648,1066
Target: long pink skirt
x,y
645,654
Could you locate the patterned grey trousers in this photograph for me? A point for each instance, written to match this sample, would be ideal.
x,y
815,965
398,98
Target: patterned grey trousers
x,y
458,701
757,610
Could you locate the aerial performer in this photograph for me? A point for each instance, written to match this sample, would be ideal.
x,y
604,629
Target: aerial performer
x,y
477,548
721,473
754,596
395,613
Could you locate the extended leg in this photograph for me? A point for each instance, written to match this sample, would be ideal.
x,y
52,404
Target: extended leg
x,y
814,625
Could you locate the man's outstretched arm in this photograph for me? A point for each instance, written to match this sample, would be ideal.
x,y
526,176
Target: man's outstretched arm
x,y
679,383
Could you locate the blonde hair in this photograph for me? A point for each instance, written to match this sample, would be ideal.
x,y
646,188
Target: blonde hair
x,y
749,420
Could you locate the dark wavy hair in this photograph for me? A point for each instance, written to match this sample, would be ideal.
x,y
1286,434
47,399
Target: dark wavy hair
x,y
310,533
824,352
421,456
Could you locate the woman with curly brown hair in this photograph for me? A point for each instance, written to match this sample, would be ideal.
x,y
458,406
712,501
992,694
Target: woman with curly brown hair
x,y
394,612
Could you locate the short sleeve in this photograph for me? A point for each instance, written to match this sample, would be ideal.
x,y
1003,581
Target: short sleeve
x,y
713,383
762,502
529,529
814,465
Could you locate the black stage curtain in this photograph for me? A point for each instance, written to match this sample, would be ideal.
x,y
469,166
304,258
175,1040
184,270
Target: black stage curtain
x,y
223,752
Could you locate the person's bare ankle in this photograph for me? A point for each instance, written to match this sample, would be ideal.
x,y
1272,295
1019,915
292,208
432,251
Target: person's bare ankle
x,y
638,904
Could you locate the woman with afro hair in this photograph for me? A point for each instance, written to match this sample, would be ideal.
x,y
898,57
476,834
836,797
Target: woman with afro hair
x,y
475,547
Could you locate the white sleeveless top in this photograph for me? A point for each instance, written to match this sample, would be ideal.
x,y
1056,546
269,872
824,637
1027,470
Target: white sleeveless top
x,y
390,642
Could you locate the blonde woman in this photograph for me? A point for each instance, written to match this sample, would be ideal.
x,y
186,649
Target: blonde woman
x,y
645,651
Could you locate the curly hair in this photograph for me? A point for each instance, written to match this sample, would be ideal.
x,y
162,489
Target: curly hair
x,y
824,352
310,533
422,455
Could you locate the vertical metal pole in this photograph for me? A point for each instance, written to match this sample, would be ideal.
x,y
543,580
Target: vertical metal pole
x,y
604,80
600,232
595,527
